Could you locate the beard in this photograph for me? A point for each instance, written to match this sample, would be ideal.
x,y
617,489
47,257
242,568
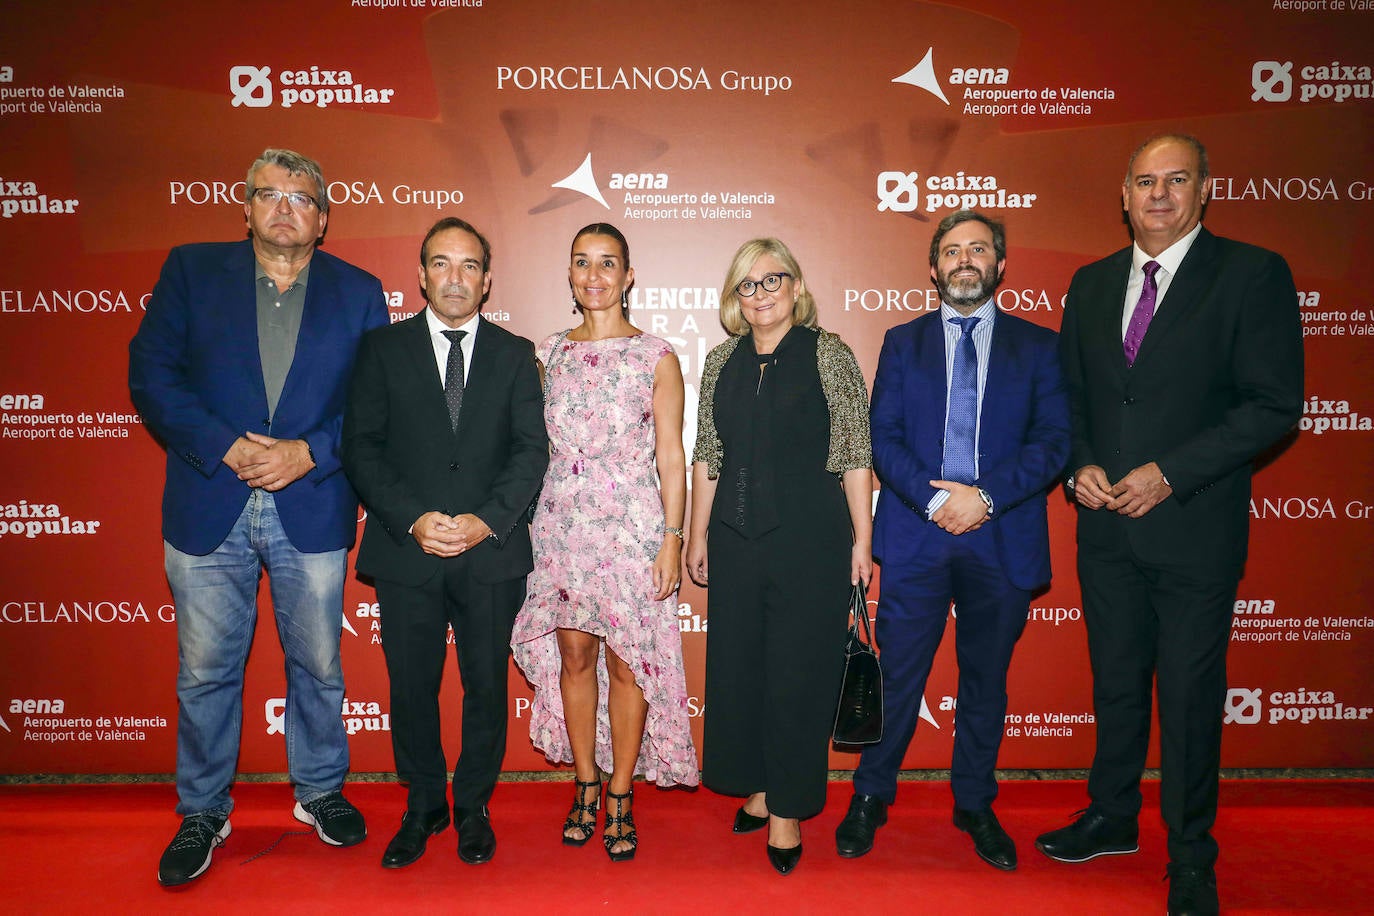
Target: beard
x,y
968,290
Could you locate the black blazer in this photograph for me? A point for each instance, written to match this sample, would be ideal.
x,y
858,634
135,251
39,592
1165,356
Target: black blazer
x,y
405,460
1218,378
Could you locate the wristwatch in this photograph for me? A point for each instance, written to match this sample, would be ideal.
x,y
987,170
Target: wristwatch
x,y
987,500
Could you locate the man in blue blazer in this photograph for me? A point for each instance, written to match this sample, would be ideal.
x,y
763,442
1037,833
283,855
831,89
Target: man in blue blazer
x,y
240,368
970,428
444,439
1183,359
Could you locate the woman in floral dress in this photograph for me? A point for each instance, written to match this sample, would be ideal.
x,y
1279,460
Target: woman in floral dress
x,y
598,636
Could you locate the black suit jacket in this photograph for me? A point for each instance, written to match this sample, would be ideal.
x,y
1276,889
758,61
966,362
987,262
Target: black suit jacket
x,y
405,460
1218,378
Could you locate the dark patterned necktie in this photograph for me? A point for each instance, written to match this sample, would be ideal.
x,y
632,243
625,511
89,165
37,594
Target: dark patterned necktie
x,y
961,424
453,376
1144,311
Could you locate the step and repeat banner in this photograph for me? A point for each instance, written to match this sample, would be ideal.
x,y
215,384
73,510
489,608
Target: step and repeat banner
x,y
846,130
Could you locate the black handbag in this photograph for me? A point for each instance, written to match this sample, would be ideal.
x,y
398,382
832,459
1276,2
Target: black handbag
x,y
859,714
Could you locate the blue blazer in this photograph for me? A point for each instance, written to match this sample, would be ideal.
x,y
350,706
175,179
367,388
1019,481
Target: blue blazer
x,y
1023,440
196,379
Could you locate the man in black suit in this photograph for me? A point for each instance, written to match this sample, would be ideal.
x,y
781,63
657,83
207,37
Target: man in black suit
x,y
446,459
1183,358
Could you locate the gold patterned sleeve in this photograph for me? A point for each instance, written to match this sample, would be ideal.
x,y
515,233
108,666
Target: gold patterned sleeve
x,y
847,397
708,449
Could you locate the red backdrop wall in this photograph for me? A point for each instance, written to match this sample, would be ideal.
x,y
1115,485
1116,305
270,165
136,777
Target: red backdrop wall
x,y
848,132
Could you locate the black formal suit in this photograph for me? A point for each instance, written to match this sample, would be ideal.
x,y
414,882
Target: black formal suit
x,y
404,459
1217,379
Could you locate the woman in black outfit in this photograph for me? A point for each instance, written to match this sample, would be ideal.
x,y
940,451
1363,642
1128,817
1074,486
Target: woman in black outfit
x,y
782,518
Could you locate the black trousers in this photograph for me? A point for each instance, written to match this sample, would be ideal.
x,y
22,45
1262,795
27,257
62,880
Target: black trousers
x,y
415,621
778,616
1171,624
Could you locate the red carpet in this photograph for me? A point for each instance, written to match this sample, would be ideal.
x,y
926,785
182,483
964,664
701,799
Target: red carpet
x,y
1287,847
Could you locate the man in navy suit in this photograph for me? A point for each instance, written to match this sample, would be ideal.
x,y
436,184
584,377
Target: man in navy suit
x,y
970,428
444,439
1183,359
240,367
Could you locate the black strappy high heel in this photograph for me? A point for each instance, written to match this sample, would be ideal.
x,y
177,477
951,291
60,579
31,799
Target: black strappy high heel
x,y
582,816
624,823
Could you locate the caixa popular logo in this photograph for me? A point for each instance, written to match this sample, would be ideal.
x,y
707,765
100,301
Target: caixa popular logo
x,y
1247,706
902,192
358,716
253,87
1275,81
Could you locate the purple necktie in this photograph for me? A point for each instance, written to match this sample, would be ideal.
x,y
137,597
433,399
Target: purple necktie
x,y
1144,311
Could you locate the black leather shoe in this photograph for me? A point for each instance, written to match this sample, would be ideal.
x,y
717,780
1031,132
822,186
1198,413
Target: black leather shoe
x,y
409,842
1192,891
747,823
1092,835
854,836
476,839
990,841
784,860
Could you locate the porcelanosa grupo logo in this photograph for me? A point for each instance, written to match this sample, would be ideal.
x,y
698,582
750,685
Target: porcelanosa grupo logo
x,y
1247,706
253,87
1276,81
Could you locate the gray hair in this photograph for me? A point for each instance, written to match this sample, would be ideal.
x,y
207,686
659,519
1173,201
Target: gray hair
x,y
294,163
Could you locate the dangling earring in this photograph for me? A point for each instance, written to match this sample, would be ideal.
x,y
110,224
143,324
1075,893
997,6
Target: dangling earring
x,y
574,308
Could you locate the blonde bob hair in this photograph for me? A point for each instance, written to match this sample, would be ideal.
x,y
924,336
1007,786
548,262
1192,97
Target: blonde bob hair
x,y
731,316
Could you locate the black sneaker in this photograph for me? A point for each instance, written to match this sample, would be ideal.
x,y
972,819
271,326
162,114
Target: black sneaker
x,y
188,855
334,818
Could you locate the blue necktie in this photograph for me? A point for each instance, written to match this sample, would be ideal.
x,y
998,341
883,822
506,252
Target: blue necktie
x,y
961,424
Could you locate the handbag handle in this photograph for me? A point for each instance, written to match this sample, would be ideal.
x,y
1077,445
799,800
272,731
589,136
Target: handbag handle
x,y
858,606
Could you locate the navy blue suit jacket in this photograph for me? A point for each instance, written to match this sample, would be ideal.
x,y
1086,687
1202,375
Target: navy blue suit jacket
x,y
1022,445
196,379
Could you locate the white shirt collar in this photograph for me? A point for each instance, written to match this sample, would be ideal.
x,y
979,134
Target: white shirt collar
x,y
1170,258
437,327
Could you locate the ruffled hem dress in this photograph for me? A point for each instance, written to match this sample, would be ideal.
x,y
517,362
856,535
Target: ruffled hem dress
x,y
597,529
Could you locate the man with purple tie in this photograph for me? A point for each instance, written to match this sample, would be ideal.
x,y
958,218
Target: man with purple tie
x,y
1183,358
970,428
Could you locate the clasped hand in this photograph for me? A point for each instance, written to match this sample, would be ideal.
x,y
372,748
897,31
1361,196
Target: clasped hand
x,y
449,535
262,461
963,512
1132,496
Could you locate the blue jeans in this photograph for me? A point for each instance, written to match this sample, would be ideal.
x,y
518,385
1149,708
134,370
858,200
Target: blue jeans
x,y
216,600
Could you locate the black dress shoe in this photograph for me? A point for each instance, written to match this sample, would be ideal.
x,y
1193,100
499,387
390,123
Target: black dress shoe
x,y
747,823
990,841
1093,834
854,836
1192,891
409,842
784,860
476,839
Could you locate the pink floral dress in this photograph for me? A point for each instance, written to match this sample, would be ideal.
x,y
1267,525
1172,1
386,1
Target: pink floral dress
x,y
597,529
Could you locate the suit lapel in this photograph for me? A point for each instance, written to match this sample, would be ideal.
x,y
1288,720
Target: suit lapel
x,y
429,385
930,365
1188,287
1105,329
313,340
485,352
239,301
1002,360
